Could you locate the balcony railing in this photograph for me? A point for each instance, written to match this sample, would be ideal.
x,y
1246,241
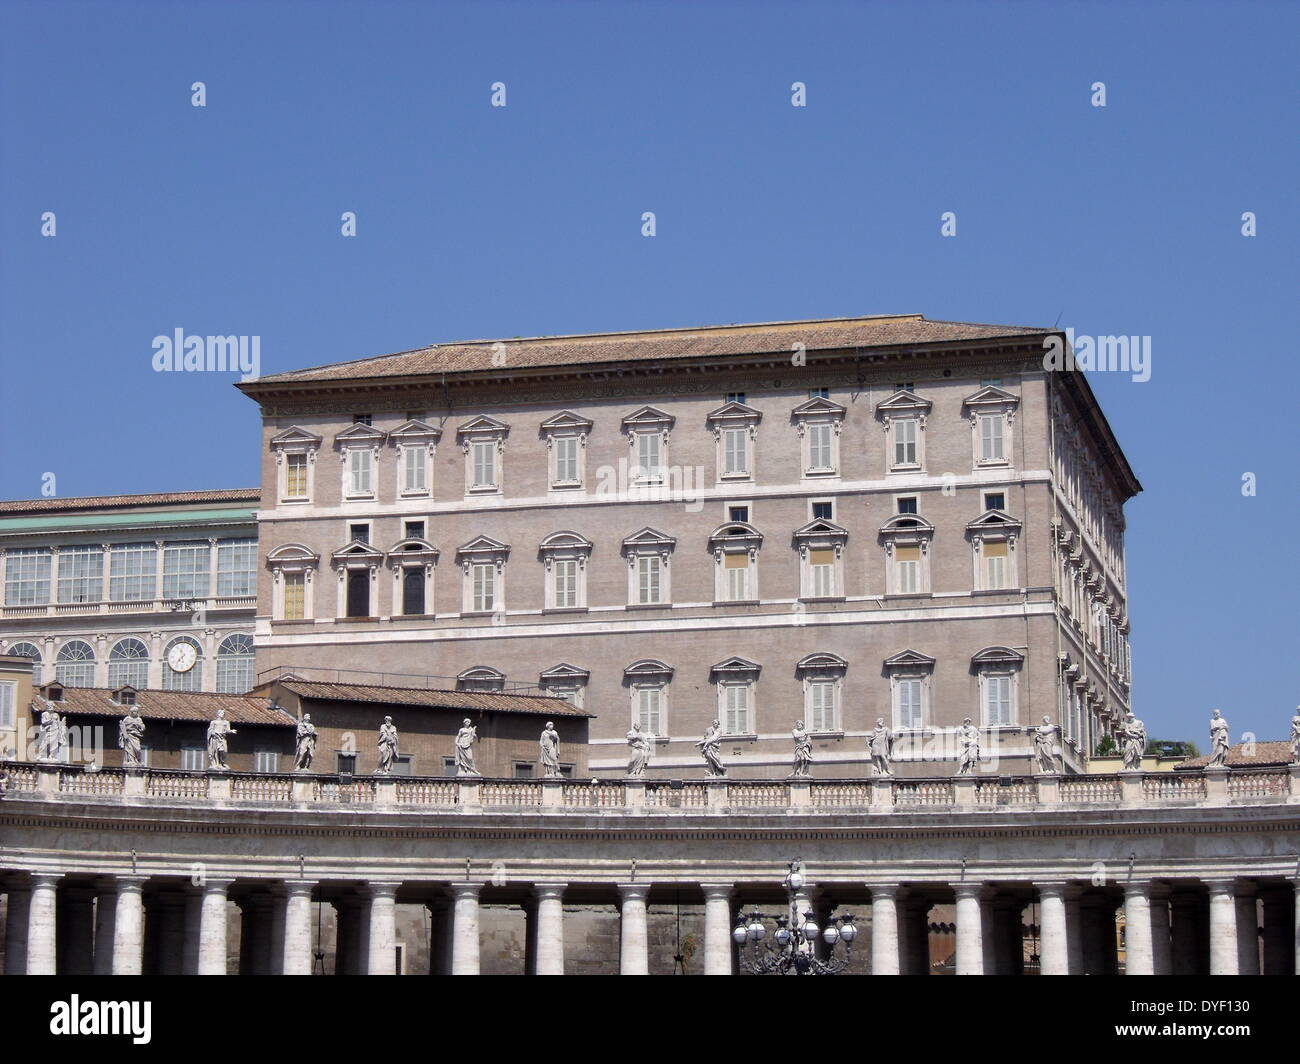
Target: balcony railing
x,y
208,604
60,782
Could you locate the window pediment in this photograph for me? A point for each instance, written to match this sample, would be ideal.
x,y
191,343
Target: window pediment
x,y
992,398
821,664
648,670
566,421
648,539
648,417
481,678
295,437
735,668
733,415
292,555
909,660
994,524
482,548
412,552
564,673
415,432
358,435
737,534
997,656
819,408
566,541
356,555
482,428
907,524
903,404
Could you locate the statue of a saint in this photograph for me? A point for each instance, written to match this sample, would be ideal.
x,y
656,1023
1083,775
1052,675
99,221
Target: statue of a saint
x,y
51,736
880,743
1134,734
550,752
639,752
387,747
465,749
130,737
219,732
305,740
1218,741
711,750
968,748
802,750
1045,747
1295,737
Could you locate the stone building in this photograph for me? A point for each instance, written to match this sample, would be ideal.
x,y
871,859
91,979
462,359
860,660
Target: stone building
x,y
152,591
834,521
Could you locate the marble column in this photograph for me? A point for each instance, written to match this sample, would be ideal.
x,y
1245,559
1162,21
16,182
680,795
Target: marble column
x,y
529,908
1073,896
382,950
970,938
884,929
1184,933
439,935
213,927
105,914
718,954
128,926
1161,944
1223,927
550,928
42,936
633,936
77,934
1053,930
296,949
17,917
1138,953
193,915
1247,930
464,929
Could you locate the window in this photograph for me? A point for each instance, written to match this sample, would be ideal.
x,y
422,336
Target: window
x,y
647,432
905,452
295,476
821,714
995,500
565,681
997,700
649,570
736,397
737,577
818,423
484,596
819,393
483,441
735,551
735,709
907,505
75,665
735,447
822,564
359,532
993,537
991,411
266,761
738,512
358,593
190,679
132,572
128,663
361,468
194,758
649,455
992,438
186,570
995,565
413,591
295,596
566,460
647,681
413,529
415,471
81,574
524,770
565,576
650,710
236,568
566,441
823,511
485,464
27,577
907,703
8,702
235,664
735,427
481,678
819,448
416,444
347,764
449,766
564,558
907,386
361,419
907,562
735,679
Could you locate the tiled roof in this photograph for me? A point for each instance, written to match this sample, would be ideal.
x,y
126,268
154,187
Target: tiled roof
x,y
1266,753
169,705
478,701
720,341
120,502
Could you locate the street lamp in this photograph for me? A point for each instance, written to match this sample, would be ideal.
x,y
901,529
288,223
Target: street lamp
x,y
791,948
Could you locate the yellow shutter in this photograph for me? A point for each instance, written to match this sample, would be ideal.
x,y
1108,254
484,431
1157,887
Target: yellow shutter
x,y
995,550
907,554
821,557
736,561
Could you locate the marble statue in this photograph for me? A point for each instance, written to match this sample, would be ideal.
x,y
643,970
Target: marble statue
x,y
306,744
1045,747
465,739
802,750
53,732
550,751
130,737
1134,734
387,747
639,752
1295,737
1218,741
219,732
968,739
711,750
880,743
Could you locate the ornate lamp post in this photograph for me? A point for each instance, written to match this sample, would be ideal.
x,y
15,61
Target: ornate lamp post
x,y
791,948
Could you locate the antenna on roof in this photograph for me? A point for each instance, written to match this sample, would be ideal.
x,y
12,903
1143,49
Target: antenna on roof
x,y
1058,319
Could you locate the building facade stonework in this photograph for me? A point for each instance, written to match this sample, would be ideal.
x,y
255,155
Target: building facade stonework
x,y
830,521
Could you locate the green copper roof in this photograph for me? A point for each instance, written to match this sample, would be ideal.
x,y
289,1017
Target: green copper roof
x,y
135,519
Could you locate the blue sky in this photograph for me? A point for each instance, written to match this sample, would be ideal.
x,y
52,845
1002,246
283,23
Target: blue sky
x,y
476,221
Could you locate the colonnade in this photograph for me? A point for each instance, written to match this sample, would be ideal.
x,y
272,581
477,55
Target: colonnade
x,y
131,923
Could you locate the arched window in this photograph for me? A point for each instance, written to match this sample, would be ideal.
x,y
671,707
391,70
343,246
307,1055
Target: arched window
x,y
75,665
235,664
26,650
182,669
128,663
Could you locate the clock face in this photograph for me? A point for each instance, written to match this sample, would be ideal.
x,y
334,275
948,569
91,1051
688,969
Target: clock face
x,y
181,657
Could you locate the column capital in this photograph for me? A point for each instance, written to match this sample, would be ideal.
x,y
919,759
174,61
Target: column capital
x,y
633,890
969,889
1220,884
465,890
1139,887
296,887
550,890
1052,887
718,890
883,890
128,884
381,888
46,879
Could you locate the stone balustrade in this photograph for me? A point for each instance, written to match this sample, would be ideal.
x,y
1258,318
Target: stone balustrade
x,y
1208,786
